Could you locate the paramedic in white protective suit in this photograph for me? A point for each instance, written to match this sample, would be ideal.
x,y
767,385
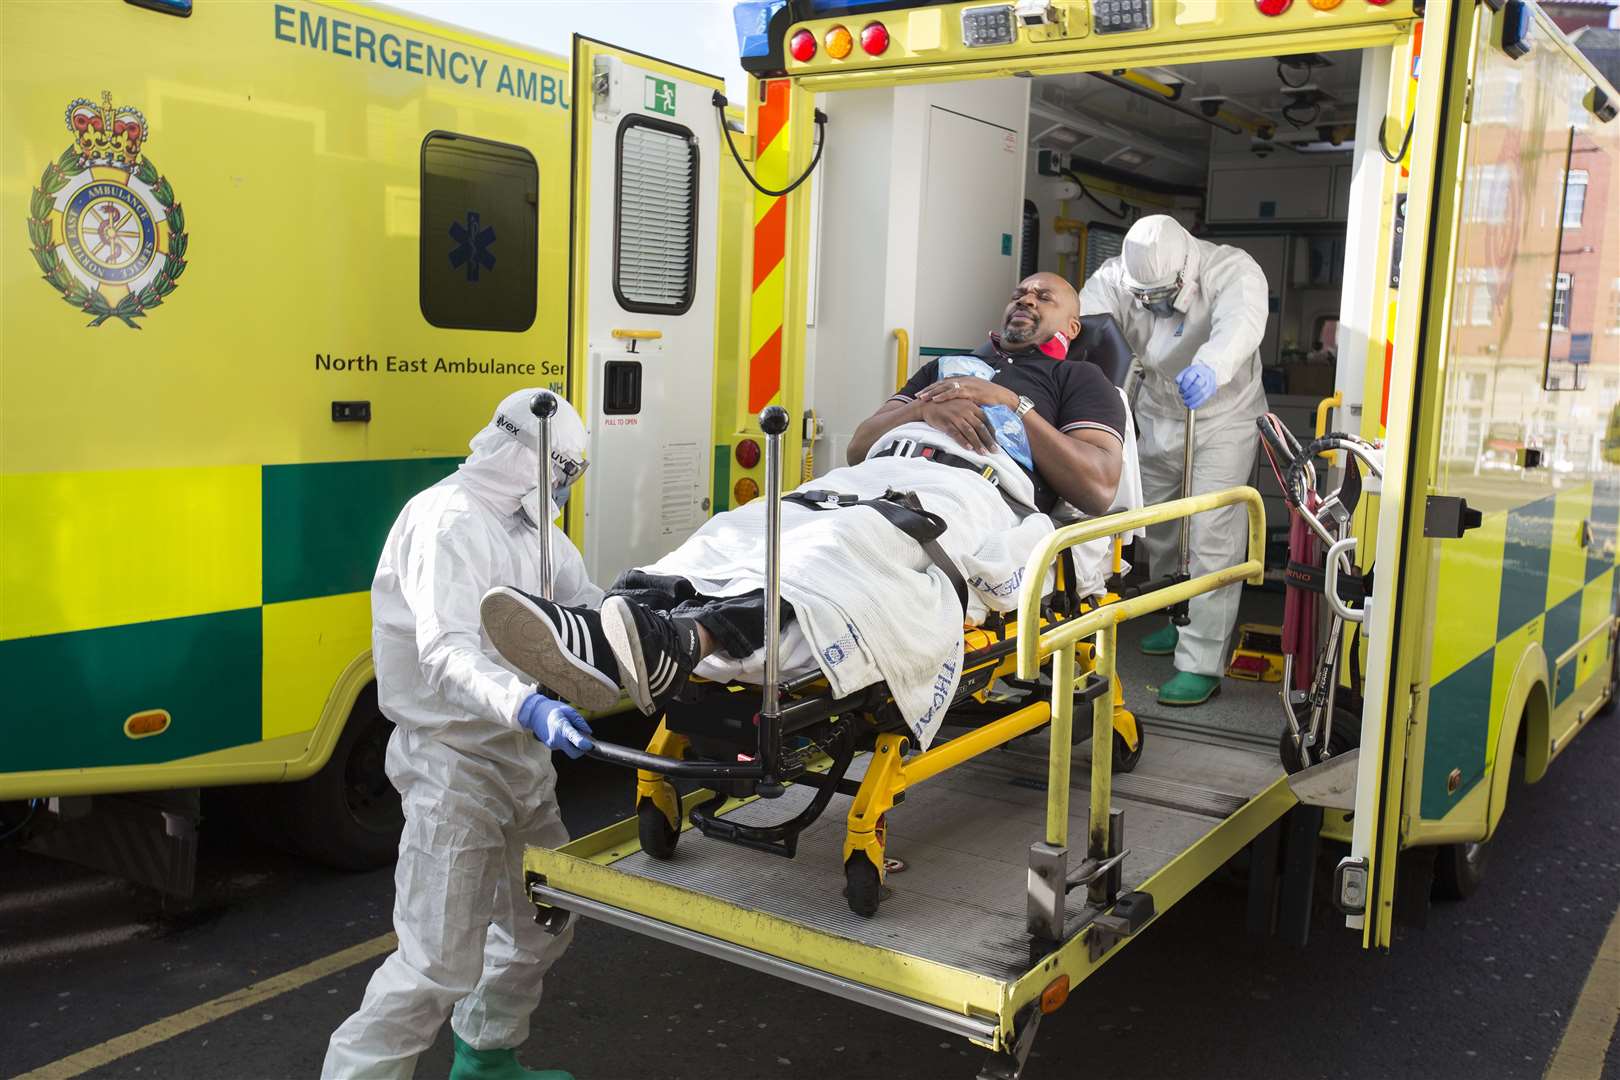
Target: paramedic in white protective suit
x,y
1195,313
471,757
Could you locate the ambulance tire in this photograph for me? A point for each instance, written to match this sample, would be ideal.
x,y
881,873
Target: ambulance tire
x,y
1614,686
347,816
1459,869
658,838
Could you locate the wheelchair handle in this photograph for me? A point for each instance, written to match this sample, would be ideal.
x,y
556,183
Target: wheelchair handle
x,y
1330,581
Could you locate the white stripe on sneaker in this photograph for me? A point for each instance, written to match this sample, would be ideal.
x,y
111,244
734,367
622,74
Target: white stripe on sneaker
x,y
664,676
566,630
572,622
585,647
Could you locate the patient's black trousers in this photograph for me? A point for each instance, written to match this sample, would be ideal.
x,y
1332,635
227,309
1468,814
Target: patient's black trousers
x,y
737,622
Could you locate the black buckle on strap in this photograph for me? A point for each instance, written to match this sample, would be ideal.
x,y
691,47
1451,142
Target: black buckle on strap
x,y
904,511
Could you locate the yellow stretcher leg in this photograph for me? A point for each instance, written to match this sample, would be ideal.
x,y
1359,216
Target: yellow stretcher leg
x,y
1085,654
650,785
885,778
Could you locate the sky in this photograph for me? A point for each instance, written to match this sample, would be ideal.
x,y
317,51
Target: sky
x,y
695,33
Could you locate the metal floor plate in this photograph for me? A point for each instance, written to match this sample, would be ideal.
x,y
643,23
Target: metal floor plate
x,y
964,837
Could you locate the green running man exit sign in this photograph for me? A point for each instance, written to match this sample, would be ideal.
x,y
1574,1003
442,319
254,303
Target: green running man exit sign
x,y
660,96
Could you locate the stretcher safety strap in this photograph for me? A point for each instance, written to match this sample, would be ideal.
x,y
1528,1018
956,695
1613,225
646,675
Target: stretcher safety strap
x,y
904,511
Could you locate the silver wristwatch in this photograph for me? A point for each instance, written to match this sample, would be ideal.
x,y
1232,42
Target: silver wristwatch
x,y
1024,405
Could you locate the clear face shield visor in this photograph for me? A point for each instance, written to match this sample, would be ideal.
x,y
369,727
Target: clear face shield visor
x,y
1160,301
568,470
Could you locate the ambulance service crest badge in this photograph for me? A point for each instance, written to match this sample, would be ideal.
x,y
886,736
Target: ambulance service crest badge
x,y
106,228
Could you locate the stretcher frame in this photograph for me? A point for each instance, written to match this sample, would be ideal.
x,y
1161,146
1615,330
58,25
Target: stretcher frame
x,y
1000,1014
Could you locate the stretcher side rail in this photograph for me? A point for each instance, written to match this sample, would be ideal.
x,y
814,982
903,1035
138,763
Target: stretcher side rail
x,y
1050,878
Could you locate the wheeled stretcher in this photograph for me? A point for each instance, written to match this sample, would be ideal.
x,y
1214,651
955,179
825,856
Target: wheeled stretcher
x,y
720,736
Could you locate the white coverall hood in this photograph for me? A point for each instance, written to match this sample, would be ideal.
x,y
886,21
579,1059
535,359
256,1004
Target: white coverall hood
x,y
503,467
1155,251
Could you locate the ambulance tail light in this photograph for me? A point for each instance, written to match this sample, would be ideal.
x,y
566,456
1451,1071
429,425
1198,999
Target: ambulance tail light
x,y
745,491
748,453
875,39
1273,7
838,42
803,46
1377,3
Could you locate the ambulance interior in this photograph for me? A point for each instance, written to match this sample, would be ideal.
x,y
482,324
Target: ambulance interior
x,y
933,200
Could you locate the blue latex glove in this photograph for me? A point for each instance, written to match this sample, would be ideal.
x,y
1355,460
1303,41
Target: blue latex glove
x,y
555,723
1197,384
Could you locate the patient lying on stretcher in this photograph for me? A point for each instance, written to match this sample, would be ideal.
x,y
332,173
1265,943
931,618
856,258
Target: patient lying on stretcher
x,y
872,589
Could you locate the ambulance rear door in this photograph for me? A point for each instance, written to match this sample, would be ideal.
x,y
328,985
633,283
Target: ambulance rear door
x,y
642,315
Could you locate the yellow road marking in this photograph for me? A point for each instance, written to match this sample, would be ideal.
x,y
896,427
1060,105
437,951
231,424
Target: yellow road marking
x,y
195,1017
1581,1051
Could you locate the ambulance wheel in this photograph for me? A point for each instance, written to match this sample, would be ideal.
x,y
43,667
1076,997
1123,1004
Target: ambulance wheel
x,y
1614,684
1459,869
1125,758
862,885
658,837
348,814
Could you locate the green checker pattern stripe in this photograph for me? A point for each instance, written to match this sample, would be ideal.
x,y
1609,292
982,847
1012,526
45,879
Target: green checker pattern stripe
x,y
324,524
71,693
1459,715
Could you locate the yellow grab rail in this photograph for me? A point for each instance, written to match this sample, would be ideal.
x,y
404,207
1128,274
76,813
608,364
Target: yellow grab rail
x,y
902,358
1033,645
1325,406
1103,623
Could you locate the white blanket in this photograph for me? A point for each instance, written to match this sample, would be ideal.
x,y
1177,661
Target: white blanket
x,y
868,600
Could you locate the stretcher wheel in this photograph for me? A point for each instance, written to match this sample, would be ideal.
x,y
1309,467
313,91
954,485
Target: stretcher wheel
x,y
658,838
863,885
1344,738
1125,758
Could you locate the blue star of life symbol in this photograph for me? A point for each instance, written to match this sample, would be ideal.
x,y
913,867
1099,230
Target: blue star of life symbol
x,y
472,246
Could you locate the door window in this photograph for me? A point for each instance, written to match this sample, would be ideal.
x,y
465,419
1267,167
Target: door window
x,y
480,233
655,234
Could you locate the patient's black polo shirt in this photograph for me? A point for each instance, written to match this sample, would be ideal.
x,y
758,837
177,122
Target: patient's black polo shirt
x,y
1069,395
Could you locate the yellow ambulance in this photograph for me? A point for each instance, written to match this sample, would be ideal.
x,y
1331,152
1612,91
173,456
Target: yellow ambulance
x,y
1430,189
272,265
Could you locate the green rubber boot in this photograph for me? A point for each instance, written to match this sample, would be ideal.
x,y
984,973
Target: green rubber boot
x,y
1185,688
1161,642
473,1064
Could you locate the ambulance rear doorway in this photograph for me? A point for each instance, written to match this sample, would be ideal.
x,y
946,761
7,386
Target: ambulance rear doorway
x,y
933,200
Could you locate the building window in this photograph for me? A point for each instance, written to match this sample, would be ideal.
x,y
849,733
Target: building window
x,y
1560,308
1574,198
1489,191
1482,296
655,234
1497,98
480,244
